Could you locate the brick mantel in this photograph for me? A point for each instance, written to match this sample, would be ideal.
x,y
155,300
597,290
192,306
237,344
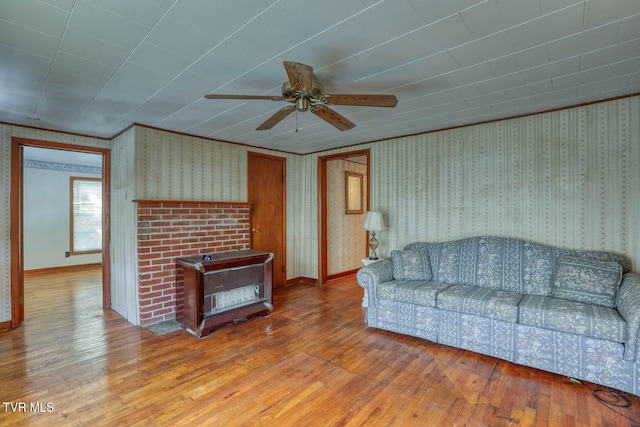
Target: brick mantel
x,y
169,229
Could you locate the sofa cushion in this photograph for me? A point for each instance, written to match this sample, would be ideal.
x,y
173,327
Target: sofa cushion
x,y
494,303
411,265
587,280
574,317
419,292
624,262
492,262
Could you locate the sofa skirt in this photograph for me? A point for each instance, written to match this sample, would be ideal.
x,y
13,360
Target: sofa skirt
x,y
405,318
595,360
591,359
483,335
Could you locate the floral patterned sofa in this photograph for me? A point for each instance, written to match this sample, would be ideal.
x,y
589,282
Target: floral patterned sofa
x,y
572,312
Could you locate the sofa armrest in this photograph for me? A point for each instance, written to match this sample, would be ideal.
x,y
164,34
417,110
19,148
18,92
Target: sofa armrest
x,y
628,302
369,276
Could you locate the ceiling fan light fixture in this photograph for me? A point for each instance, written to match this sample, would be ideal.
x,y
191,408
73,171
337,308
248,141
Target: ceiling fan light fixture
x,y
302,104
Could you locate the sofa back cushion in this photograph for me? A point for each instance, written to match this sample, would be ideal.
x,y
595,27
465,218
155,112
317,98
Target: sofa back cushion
x,y
503,263
411,264
587,280
493,262
624,262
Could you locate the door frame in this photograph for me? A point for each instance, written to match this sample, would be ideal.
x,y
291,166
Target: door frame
x,y
283,161
323,270
17,220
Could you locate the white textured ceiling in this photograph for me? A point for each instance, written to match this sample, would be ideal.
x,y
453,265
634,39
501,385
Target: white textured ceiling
x,y
96,66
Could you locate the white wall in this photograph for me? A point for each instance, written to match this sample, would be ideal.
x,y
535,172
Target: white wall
x,y
7,132
124,254
46,218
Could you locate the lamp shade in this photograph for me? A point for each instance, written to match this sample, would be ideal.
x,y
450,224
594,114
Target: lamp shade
x,y
373,222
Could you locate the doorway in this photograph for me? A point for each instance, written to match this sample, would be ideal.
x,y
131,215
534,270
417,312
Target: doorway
x,y
17,210
267,196
336,222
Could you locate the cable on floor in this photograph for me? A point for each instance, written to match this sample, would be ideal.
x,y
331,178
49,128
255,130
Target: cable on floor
x,y
609,398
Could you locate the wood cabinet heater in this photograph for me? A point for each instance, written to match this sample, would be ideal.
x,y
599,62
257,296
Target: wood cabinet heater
x,y
224,288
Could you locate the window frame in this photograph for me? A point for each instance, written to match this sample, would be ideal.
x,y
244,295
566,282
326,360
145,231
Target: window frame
x,y
72,181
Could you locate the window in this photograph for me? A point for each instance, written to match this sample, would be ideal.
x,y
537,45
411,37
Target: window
x,y
86,215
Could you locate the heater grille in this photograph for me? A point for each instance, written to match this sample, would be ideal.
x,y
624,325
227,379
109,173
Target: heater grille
x,y
226,300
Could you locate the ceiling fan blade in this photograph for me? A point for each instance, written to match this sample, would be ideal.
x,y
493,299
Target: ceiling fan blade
x,y
300,76
267,97
277,117
364,100
331,117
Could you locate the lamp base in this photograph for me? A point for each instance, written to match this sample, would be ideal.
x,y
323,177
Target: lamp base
x,y
373,245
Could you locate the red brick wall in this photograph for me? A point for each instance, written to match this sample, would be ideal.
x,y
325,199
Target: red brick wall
x,y
172,229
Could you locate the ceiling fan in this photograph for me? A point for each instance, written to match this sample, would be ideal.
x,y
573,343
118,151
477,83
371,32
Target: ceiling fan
x,y
306,93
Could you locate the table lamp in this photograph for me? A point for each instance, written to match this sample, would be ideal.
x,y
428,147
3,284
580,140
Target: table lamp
x,y
373,222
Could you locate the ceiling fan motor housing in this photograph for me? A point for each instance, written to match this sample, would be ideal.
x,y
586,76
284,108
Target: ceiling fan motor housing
x,y
302,104
303,99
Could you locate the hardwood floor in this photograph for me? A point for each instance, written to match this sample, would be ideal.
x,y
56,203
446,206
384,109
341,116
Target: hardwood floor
x,y
311,363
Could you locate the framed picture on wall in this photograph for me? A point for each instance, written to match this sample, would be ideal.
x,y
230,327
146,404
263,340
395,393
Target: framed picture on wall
x,y
353,192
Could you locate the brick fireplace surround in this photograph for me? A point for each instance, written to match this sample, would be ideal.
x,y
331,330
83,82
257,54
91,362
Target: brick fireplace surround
x,y
169,229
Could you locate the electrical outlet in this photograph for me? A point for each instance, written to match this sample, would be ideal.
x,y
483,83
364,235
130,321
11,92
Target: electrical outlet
x,y
67,254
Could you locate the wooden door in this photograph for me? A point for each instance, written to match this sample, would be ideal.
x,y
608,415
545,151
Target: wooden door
x,y
266,194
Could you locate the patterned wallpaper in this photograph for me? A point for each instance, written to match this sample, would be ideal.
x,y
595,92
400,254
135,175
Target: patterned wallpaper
x,y
302,217
62,167
178,167
345,236
5,223
568,177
